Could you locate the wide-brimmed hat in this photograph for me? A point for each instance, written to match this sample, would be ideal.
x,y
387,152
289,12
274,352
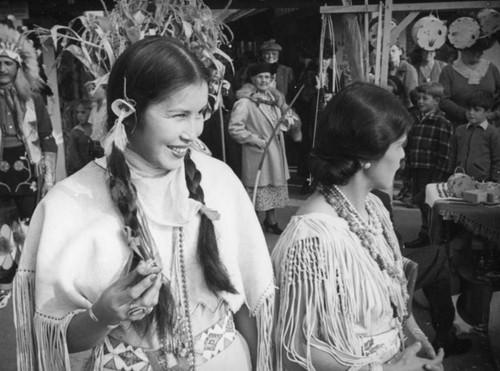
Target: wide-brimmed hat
x,y
270,45
256,68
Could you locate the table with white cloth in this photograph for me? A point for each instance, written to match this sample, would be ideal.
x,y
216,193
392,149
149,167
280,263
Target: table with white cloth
x,y
480,299
482,220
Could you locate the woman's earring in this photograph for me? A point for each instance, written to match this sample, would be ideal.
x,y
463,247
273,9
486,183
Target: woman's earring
x,y
366,165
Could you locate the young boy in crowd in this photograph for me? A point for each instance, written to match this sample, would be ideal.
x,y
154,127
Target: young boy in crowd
x,y
81,148
476,145
428,151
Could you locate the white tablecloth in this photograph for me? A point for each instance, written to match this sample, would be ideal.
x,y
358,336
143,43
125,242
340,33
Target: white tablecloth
x,y
438,192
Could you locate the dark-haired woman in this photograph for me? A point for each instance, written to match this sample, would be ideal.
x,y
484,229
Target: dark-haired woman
x,y
470,72
343,292
151,256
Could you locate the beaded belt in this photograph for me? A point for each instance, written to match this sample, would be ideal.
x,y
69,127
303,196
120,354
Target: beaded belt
x,y
207,344
384,345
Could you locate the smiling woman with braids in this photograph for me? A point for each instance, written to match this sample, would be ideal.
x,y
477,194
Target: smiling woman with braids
x,y
148,256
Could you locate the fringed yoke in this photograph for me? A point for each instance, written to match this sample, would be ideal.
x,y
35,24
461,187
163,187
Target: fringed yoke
x,y
333,295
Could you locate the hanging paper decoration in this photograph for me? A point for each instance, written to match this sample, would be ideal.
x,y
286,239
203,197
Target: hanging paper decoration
x,y
429,33
464,32
489,19
374,30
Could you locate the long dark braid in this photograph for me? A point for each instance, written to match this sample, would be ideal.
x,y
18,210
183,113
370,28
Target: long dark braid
x,y
214,271
124,195
148,72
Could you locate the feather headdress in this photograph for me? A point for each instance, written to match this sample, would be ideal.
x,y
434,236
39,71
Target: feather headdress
x,y
19,48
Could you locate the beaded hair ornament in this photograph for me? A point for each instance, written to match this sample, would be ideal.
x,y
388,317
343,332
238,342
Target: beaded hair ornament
x,y
117,135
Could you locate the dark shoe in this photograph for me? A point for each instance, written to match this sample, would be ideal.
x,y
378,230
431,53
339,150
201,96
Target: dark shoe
x,y
419,242
455,348
403,194
408,202
273,228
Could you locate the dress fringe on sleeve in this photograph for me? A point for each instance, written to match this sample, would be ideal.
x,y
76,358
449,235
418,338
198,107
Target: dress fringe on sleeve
x,y
264,316
325,295
24,291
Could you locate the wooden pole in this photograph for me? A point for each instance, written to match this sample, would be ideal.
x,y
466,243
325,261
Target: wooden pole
x,y
402,25
379,44
222,138
53,104
367,43
386,42
268,143
321,45
411,7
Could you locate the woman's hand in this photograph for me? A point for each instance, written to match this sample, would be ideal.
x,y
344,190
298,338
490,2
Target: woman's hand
x,y
131,297
409,361
260,143
427,350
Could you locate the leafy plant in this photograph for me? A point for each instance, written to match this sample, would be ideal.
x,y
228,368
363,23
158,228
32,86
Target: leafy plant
x,y
97,41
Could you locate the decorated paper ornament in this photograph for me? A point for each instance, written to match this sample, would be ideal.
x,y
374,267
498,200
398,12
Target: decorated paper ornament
x,y
489,19
429,33
464,32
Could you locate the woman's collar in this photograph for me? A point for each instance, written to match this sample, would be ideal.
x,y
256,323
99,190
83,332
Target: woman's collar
x,y
472,74
140,167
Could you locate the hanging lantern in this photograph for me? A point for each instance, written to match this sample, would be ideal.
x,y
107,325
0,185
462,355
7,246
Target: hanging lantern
x,y
464,32
489,19
429,33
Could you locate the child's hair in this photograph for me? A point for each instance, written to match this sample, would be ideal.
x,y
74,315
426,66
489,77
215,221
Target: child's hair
x,y
150,71
83,102
358,125
480,98
433,88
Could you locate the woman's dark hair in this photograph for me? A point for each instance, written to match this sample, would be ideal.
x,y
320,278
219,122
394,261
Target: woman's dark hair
x,y
147,72
358,125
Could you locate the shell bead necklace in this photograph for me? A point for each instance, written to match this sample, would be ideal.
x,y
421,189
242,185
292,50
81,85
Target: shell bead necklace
x,y
366,233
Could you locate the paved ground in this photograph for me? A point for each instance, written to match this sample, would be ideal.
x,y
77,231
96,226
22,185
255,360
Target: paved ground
x,y
406,220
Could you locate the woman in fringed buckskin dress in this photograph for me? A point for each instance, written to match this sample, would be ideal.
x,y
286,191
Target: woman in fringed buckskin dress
x,y
343,291
151,256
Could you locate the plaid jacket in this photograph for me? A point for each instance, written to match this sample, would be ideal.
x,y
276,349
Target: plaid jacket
x,y
429,144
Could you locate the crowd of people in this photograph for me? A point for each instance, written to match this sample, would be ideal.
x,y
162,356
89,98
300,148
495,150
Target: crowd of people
x,y
151,253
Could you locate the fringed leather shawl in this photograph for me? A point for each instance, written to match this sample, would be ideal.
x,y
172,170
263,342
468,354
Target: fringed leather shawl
x,y
333,295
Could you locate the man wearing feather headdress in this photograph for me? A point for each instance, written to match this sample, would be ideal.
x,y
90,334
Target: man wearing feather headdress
x,y
27,147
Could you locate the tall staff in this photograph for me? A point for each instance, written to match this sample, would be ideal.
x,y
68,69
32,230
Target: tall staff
x,y
268,143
